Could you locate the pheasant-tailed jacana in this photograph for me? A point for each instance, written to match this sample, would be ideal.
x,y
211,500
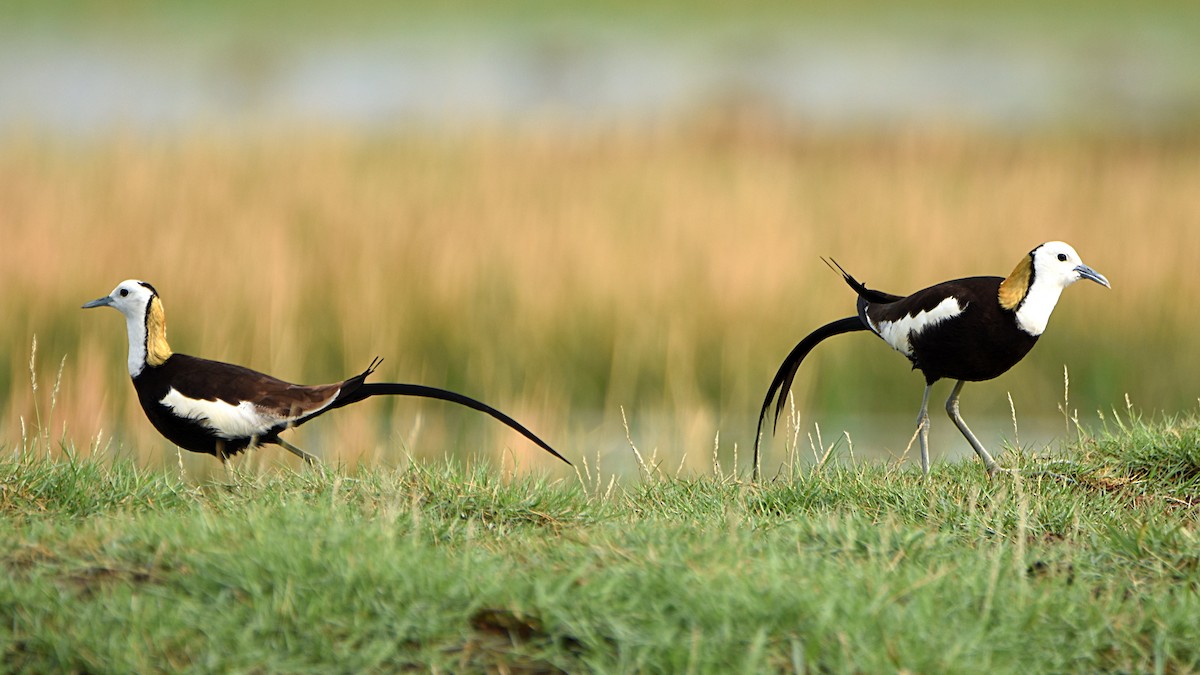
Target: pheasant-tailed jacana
x,y
220,408
968,330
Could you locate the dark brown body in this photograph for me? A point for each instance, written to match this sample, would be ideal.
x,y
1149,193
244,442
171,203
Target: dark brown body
x,y
290,404
981,343
203,379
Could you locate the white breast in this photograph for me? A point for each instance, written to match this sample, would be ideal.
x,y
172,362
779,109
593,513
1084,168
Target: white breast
x,y
1035,311
900,333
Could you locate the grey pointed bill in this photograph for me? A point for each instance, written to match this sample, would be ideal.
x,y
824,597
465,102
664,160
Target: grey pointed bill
x,y
99,302
1085,272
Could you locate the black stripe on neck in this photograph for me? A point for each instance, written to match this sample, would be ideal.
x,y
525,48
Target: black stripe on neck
x,y
1032,279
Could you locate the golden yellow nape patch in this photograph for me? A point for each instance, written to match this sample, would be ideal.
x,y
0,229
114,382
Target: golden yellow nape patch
x,y
1014,288
157,349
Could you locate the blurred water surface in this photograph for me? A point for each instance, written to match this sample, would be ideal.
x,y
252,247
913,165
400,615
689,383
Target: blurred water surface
x,y
1013,70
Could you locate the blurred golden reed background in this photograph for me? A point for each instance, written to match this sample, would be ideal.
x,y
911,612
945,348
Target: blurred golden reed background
x,y
562,277
569,211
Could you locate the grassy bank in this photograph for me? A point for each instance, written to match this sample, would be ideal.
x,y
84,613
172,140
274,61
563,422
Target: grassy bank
x,y
1087,561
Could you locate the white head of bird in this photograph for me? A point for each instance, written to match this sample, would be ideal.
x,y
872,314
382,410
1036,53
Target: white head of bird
x,y
1034,286
145,322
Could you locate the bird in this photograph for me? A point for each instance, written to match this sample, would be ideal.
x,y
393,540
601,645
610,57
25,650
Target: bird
x,y
220,408
968,330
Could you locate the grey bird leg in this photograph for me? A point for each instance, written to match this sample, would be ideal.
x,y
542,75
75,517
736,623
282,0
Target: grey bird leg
x,y
923,429
952,410
220,448
309,459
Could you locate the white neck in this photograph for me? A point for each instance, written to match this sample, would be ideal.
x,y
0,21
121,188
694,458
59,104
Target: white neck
x,y
136,326
1040,300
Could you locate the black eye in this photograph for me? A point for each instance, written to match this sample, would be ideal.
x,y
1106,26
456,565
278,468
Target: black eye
x,y
124,292
1062,257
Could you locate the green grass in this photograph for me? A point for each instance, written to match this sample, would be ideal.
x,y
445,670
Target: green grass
x,y
1086,561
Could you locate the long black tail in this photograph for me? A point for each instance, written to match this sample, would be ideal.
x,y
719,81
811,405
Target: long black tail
x,y
787,372
356,390
397,389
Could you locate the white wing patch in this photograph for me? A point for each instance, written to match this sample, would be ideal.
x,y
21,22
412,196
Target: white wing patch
x,y
899,333
228,421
